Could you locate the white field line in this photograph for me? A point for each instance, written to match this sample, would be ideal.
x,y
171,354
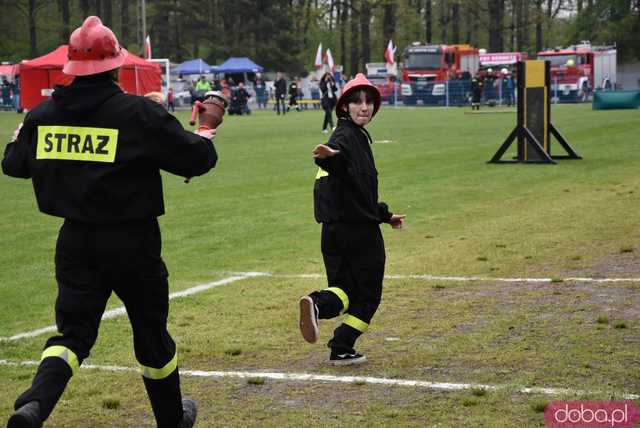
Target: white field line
x,y
119,311
242,275
426,277
310,377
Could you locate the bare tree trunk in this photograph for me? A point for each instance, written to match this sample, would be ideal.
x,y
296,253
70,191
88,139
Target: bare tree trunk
x,y
177,29
33,37
125,23
389,21
355,56
513,25
365,22
99,8
63,5
496,10
471,24
539,19
455,22
84,8
344,20
107,13
579,6
444,20
428,20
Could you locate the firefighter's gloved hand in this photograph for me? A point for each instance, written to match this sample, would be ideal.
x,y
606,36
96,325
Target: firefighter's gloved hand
x,y
15,133
206,133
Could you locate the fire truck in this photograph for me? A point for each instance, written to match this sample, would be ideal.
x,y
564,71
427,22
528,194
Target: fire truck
x,y
426,69
578,70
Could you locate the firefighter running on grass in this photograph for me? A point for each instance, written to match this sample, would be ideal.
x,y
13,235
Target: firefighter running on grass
x,y
94,155
346,203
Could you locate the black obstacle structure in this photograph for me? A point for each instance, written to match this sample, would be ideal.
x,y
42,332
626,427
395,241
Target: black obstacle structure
x,y
534,129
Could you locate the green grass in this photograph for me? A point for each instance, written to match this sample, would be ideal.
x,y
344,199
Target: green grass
x,y
464,217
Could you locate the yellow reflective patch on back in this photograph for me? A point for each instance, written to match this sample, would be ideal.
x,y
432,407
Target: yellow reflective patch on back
x,y
77,143
321,173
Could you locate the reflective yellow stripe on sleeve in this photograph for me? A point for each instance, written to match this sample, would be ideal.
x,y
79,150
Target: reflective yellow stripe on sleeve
x,y
153,373
343,297
77,143
321,173
356,323
62,352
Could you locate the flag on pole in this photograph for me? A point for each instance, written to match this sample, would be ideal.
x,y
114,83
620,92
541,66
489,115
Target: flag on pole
x,y
389,53
319,57
329,59
147,47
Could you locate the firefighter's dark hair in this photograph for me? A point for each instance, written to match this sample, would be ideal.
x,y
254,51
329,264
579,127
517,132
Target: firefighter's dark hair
x,y
354,97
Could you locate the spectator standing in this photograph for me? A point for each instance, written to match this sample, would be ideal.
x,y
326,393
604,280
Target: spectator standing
x,y
280,92
170,100
6,92
261,91
329,95
293,94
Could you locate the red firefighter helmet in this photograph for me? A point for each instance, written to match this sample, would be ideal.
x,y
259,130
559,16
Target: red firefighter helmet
x,y
358,82
93,49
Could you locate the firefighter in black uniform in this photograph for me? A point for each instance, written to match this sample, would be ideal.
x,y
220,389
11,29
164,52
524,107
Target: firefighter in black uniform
x,y
94,154
477,87
346,203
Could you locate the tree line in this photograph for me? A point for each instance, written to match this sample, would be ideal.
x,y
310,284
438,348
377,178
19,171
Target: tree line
x,y
284,34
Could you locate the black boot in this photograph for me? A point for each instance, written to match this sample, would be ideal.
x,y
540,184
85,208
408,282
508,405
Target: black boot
x,y
27,416
190,413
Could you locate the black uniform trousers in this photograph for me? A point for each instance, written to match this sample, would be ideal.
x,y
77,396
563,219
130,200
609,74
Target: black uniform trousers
x,y
91,262
354,259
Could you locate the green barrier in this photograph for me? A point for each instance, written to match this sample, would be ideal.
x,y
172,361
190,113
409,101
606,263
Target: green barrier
x,y
606,100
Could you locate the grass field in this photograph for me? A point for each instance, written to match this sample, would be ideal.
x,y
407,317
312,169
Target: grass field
x,y
254,213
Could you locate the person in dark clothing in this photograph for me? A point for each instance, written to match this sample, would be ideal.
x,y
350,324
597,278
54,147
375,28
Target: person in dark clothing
x,y
346,204
477,86
94,155
5,90
261,91
293,95
328,101
280,85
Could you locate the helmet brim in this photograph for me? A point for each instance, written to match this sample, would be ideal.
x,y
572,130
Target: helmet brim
x,y
88,68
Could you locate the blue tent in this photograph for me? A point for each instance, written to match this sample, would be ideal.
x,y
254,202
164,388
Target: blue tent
x,y
194,66
239,65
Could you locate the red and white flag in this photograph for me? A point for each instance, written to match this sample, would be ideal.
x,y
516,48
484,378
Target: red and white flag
x,y
329,59
389,53
319,57
147,47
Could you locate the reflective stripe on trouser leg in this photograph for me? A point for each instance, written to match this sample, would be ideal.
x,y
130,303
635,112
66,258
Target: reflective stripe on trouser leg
x,y
160,373
342,296
356,323
64,353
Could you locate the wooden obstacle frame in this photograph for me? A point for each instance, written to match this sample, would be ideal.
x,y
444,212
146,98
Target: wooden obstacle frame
x,y
534,128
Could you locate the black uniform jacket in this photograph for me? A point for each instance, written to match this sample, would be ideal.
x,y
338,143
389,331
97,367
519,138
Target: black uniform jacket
x,y
346,188
95,153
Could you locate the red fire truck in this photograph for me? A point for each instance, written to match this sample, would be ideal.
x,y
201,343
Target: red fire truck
x,y
577,70
427,68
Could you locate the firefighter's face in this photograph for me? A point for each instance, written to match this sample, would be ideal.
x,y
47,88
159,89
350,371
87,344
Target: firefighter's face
x,y
361,111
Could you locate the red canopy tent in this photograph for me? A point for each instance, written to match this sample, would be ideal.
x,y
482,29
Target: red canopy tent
x,y
8,70
40,75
